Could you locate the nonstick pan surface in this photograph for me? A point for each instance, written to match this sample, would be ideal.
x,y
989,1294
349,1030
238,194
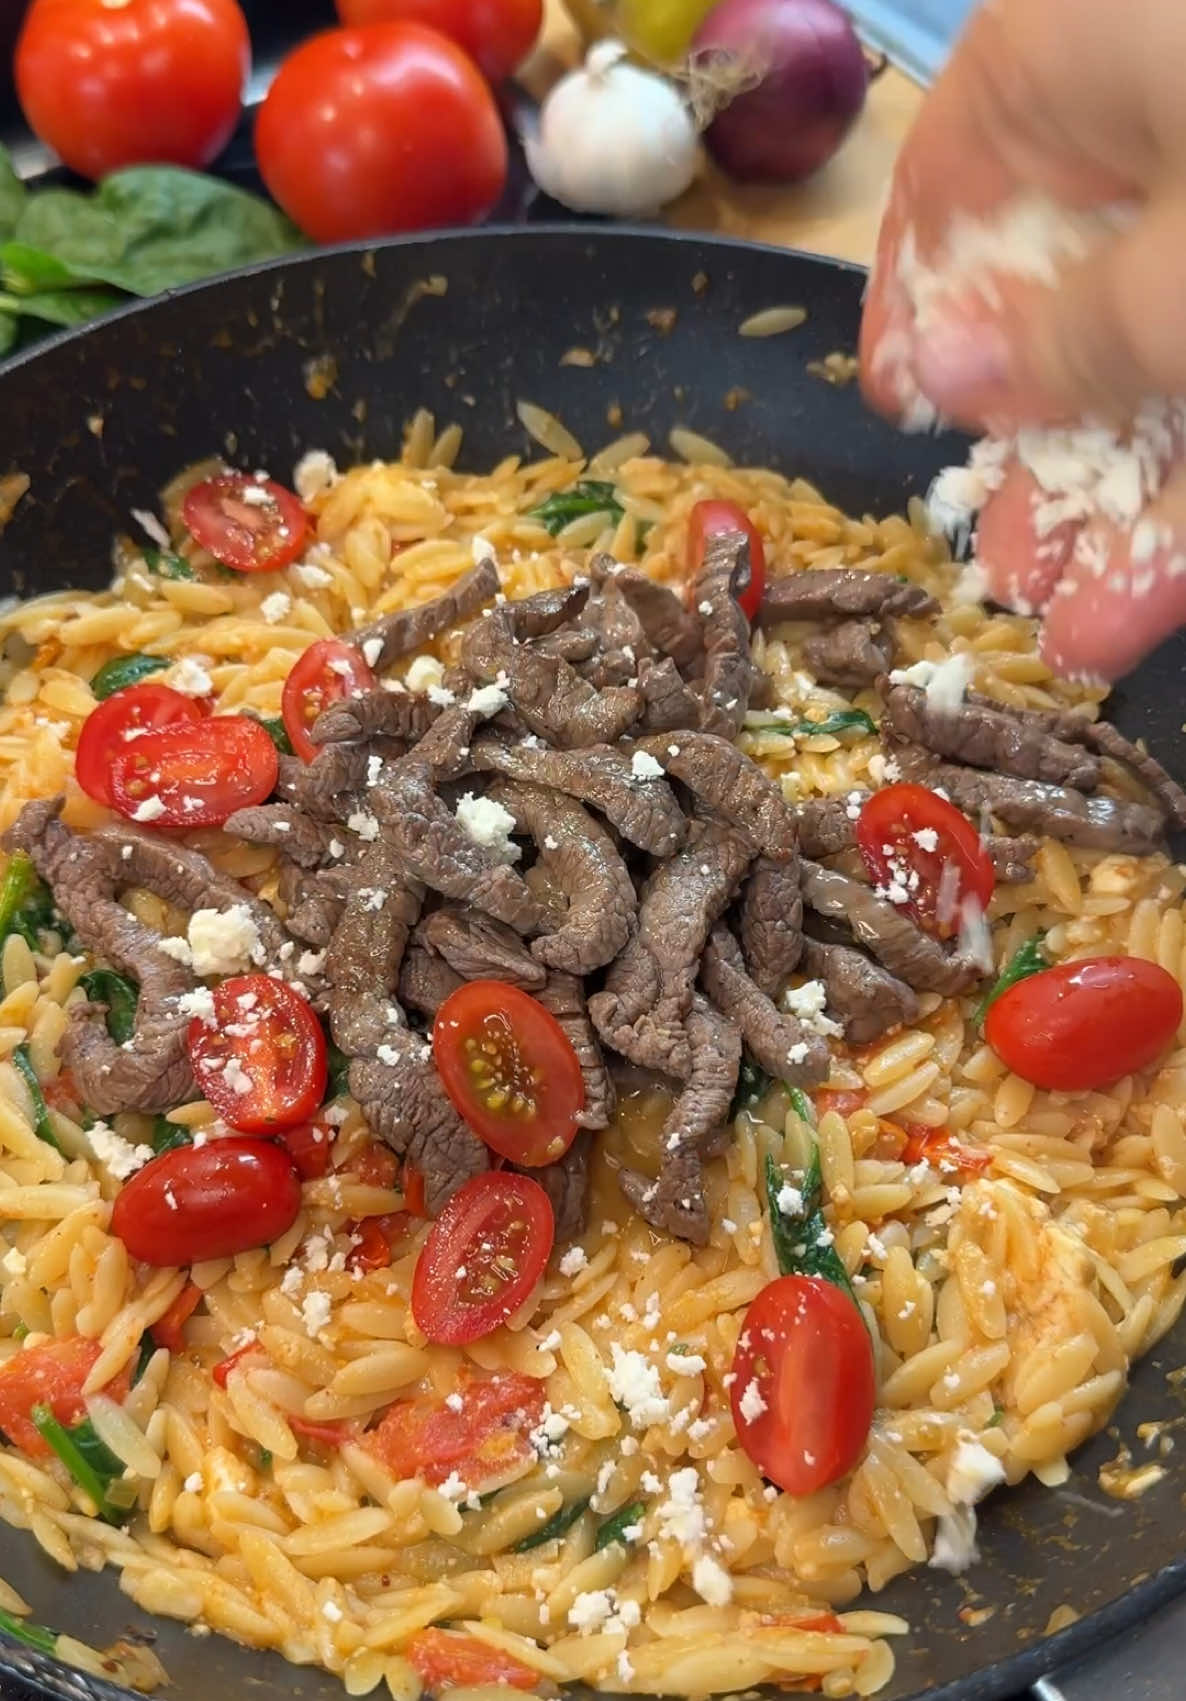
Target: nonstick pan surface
x,y
336,350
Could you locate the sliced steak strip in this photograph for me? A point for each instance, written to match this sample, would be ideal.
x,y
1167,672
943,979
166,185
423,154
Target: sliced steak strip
x,y
314,901
826,826
566,1182
644,811
411,628
402,715
302,839
151,1071
648,990
1111,742
564,996
580,860
728,669
435,849
1010,858
697,1126
404,1103
853,654
669,627
776,1042
841,593
991,738
861,994
729,784
1095,823
549,695
425,980
771,923
478,948
364,955
883,929
667,702
328,787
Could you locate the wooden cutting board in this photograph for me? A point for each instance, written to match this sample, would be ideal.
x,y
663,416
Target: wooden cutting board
x,y
836,213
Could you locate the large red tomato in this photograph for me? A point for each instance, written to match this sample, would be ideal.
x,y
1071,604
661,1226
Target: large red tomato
x,y
135,83
370,131
499,34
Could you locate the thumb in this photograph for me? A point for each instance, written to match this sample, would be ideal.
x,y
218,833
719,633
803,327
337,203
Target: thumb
x,y
1104,339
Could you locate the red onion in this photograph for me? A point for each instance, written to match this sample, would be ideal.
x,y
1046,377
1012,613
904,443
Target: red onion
x,y
811,85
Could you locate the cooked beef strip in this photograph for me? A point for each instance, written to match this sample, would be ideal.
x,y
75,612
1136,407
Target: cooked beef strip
x,y
776,1041
425,980
573,644
728,669
696,1127
314,902
402,715
668,702
580,860
644,811
853,654
1095,823
564,996
771,922
446,744
434,848
411,628
884,930
648,989
364,955
548,694
402,1099
302,839
566,1182
990,738
1110,741
865,997
479,948
730,784
841,593
327,787
1010,858
668,625
151,1071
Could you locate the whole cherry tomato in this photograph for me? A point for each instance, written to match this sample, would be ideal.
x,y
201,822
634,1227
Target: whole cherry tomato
x,y
210,1201
498,34
1085,1024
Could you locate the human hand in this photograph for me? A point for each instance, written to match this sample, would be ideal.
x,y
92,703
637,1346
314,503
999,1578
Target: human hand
x,y
1080,101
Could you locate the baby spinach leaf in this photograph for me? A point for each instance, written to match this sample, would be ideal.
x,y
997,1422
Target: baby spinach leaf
x,y
841,721
26,903
166,1135
614,1529
62,307
802,1240
27,270
277,732
752,1082
1029,959
104,986
13,194
587,496
90,1462
121,671
42,1125
32,1635
557,1525
802,1106
166,564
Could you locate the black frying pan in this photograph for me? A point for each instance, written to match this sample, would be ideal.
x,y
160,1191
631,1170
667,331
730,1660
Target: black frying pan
x,y
100,419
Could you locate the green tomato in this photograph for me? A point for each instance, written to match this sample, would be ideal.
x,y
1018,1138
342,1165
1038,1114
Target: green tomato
x,y
662,29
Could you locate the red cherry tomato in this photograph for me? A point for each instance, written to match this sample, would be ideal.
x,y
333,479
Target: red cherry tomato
x,y
487,1434
372,1248
510,1070
250,524
327,671
914,843
262,1061
310,1147
1086,1024
138,83
709,519
499,34
120,719
447,1659
803,1385
483,1256
222,1370
168,1330
210,1201
193,774
52,1375
940,1148
366,132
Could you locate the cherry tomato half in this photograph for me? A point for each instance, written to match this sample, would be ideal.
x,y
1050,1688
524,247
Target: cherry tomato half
x,y
940,1148
803,1385
210,1201
1085,1024
498,34
139,83
310,1147
710,519
926,855
510,1070
121,718
327,671
262,1061
478,1438
194,774
483,1256
448,1659
52,1375
251,524
366,132
169,1328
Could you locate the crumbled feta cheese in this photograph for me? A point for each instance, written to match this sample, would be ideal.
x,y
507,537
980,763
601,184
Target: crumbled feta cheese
x,y
944,682
308,573
190,677
316,1309
486,700
118,1156
150,810
681,1515
550,1341
711,1581
14,1262
453,1488
926,839
193,1483
643,766
574,1261
954,1547
152,527
311,962
551,843
808,1004
199,1002
224,942
488,824
424,672
331,1612
362,822
275,607
178,949
590,1610
372,649
481,549
314,474
634,1384
751,1405
455,1402
972,1473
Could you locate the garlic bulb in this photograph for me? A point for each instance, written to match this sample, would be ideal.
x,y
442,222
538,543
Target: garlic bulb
x,y
613,139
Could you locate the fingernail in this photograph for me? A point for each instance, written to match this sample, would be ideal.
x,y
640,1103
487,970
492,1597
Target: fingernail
x,y
961,364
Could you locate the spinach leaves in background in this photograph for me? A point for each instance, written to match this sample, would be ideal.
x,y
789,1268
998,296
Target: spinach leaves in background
x,y
69,255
